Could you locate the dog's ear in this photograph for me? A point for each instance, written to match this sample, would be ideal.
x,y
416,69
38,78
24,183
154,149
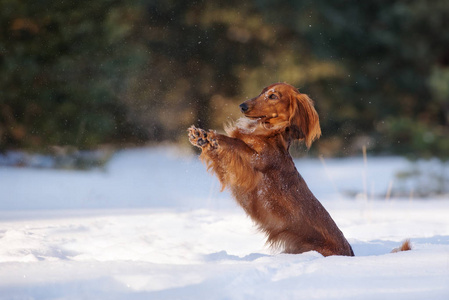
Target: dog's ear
x,y
304,121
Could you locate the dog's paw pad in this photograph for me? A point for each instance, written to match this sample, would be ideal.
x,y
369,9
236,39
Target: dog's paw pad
x,y
200,142
200,138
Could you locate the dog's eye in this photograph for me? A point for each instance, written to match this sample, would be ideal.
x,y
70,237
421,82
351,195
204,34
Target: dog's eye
x,y
273,96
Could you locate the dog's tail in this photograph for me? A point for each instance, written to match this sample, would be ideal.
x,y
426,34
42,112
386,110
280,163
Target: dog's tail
x,y
406,246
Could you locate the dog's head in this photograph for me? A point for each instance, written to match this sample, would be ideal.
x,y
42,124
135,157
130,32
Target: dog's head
x,y
281,105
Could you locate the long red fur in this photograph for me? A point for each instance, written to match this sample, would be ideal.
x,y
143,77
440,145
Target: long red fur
x,y
253,161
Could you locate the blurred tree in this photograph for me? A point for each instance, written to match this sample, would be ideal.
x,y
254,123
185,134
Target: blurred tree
x,y
390,50
62,66
209,57
78,73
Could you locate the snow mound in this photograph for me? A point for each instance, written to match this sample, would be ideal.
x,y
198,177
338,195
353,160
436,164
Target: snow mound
x,y
153,225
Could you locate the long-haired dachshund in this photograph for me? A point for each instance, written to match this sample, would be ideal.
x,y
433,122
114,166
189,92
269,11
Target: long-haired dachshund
x,y
253,161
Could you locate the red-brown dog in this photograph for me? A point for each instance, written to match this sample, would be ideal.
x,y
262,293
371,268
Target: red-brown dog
x,y
253,161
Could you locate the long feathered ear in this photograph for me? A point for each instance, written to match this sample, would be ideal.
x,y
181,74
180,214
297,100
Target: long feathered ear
x,y
304,121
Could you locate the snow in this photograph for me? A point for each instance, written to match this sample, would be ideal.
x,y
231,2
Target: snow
x,y
152,224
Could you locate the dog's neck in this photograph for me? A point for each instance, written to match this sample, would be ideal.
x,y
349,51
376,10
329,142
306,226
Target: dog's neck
x,y
282,132
255,127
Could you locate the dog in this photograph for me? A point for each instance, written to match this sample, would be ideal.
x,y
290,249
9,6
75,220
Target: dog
x,y
254,163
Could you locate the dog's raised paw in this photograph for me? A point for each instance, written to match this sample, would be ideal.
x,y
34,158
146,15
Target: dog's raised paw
x,y
197,136
212,140
200,138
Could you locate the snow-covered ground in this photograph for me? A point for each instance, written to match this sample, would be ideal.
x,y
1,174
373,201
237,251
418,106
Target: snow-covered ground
x,y
153,225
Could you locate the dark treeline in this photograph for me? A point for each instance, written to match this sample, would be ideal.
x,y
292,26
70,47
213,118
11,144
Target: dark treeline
x,y
86,73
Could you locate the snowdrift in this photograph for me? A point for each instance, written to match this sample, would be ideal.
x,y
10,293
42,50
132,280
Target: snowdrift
x,y
153,225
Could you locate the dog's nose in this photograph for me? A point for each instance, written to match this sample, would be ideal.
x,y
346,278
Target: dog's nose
x,y
243,107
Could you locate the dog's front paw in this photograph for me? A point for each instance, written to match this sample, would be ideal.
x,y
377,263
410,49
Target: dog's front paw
x,y
200,138
197,136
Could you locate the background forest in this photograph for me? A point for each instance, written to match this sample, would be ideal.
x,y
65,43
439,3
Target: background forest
x,y
89,73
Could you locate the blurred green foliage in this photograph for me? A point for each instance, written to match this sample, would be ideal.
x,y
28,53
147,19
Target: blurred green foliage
x,y
79,73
